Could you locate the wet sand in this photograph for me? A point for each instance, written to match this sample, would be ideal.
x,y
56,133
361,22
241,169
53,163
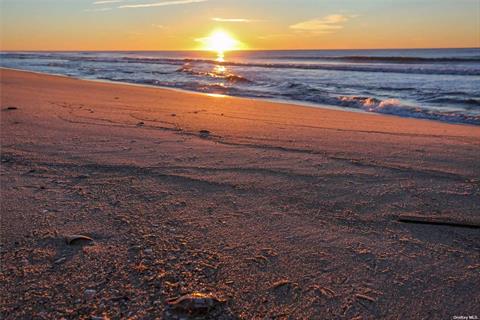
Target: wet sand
x,y
274,211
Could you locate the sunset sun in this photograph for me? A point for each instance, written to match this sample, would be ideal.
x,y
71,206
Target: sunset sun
x,y
220,42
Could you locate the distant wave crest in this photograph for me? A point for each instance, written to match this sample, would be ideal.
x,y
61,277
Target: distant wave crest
x,y
445,69
385,59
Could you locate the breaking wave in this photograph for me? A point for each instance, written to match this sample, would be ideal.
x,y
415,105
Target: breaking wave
x,y
396,107
216,75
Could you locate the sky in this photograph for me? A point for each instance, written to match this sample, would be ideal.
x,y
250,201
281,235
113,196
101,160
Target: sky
x,y
256,24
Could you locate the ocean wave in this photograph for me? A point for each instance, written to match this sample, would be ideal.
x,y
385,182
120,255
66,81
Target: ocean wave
x,y
356,68
303,92
220,88
230,77
396,107
389,88
472,102
57,64
411,69
384,59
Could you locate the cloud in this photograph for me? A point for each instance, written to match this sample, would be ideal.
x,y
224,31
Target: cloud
x,y
161,4
274,35
326,24
231,20
107,1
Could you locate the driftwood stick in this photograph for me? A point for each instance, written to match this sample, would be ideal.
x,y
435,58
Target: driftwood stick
x,y
446,221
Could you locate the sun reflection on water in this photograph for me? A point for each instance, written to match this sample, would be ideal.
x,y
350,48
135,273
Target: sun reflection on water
x,y
219,68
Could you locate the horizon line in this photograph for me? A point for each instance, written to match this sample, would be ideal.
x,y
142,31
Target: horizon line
x,y
243,50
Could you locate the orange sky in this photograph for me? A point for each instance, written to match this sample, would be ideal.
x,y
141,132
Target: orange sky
x,y
260,24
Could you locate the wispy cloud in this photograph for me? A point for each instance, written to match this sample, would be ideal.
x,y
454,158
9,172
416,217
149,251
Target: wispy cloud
x,y
231,20
326,24
161,4
274,36
98,9
108,1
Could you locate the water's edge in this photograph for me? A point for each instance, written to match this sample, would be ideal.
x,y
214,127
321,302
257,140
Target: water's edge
x,y
277,101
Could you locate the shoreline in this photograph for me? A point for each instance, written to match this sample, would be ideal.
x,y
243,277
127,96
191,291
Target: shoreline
x,y
278,101
267,210
290,103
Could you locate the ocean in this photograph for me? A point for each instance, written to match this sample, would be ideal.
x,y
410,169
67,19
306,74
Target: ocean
x,y
436,84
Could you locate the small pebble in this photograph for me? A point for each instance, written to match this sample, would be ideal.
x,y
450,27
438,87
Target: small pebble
x,y
89,294
204,133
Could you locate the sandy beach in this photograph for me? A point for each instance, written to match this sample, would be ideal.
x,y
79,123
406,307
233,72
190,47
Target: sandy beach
x,y
273,211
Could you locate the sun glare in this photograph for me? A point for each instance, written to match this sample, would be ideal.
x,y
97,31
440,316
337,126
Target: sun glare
x,y
220,42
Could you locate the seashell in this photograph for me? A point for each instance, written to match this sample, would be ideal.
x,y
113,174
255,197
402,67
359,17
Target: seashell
x,y
77,239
